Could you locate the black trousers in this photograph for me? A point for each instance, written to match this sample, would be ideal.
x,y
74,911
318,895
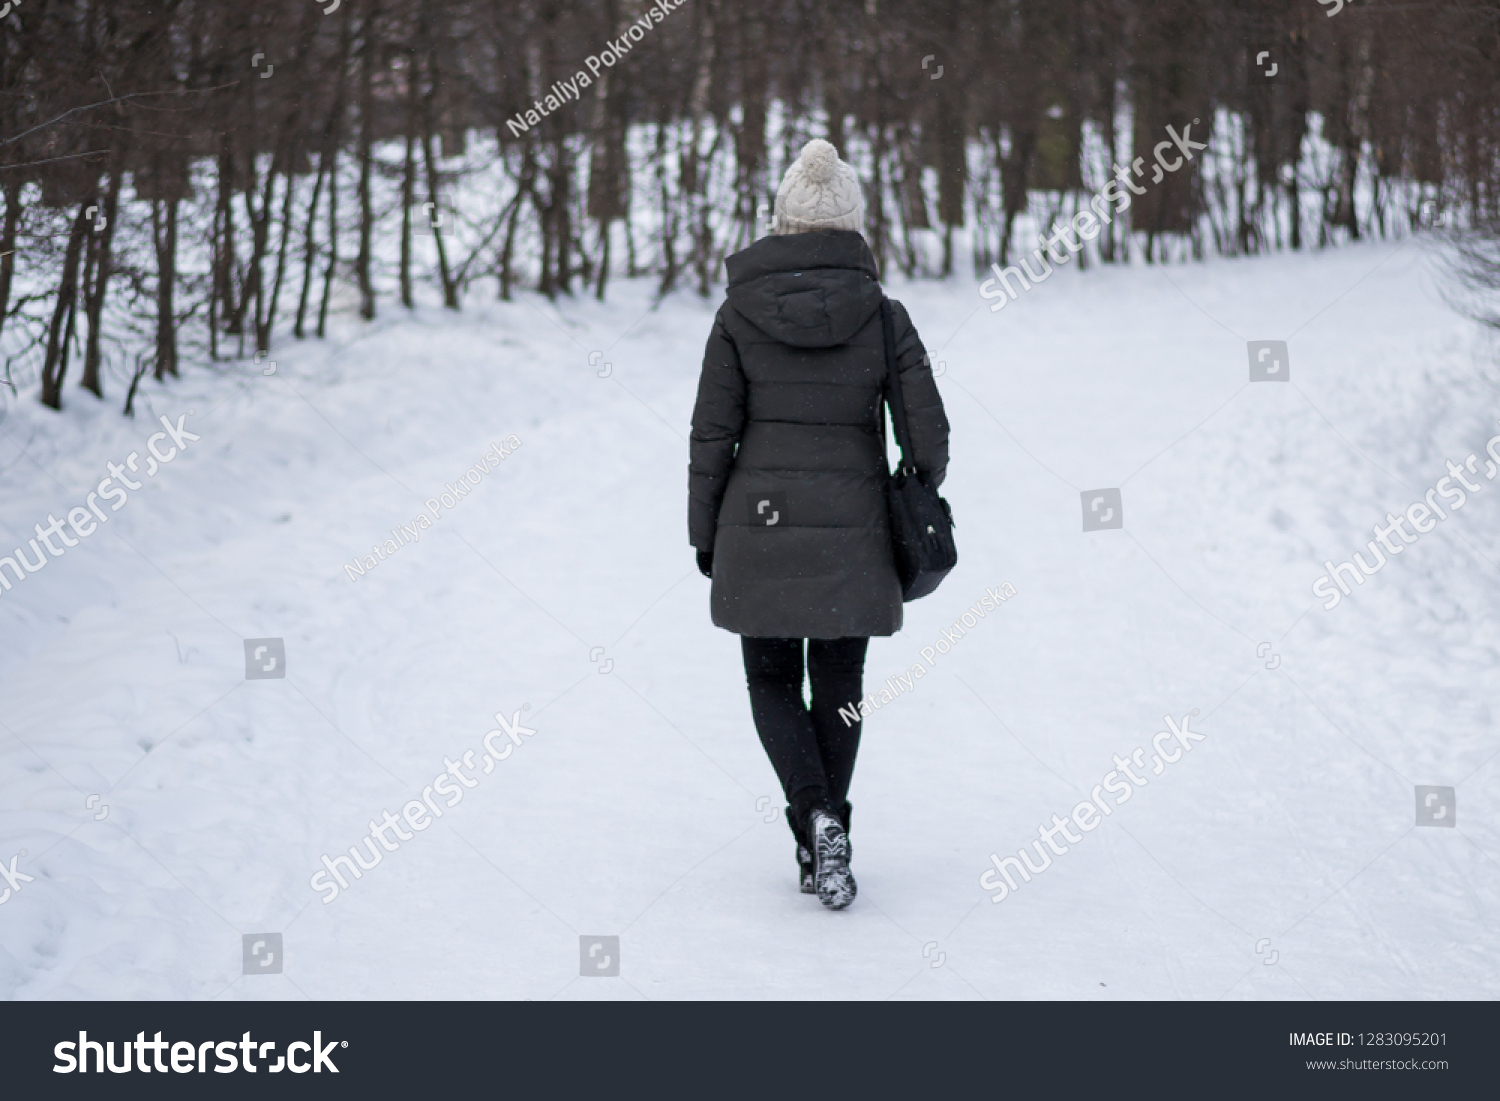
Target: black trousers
x,y
812,750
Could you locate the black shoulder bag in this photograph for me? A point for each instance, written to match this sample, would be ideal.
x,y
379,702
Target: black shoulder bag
x,y
921,521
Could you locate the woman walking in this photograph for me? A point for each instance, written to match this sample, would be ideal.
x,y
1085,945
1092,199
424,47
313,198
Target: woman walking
x,y
786,505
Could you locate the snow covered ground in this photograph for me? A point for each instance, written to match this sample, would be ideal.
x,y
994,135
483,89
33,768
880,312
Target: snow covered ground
x,y
1280,858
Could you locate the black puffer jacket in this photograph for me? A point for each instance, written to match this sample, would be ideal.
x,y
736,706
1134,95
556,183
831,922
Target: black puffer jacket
x,y
787,480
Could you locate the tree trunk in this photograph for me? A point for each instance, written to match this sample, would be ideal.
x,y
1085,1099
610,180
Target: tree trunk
x,y
55,365
94,294
8,246
697,165
523,191
263,341
429,161
224,265
260,240
165,239
559,180
368,53
309,249
327,166
445,275
409,180
1014,172
881,241
668,227
333,239
1107,236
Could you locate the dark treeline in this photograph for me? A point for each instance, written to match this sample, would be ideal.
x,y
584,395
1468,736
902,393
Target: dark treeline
x,y
195,177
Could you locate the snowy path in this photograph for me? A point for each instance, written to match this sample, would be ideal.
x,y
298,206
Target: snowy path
x,y
643,807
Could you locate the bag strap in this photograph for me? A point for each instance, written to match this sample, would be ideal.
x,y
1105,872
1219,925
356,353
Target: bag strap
x,y
894,397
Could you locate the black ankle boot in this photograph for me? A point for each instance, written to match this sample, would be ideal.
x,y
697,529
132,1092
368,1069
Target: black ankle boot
x,y
804,856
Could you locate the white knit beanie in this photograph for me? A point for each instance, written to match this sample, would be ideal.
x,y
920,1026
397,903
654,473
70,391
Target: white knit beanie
x,y
819,191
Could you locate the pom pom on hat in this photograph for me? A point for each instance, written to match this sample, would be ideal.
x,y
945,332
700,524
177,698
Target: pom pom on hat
x,y
819,160
819,191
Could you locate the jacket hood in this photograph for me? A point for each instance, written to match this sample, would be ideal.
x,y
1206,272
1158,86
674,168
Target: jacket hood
x,y
809,290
